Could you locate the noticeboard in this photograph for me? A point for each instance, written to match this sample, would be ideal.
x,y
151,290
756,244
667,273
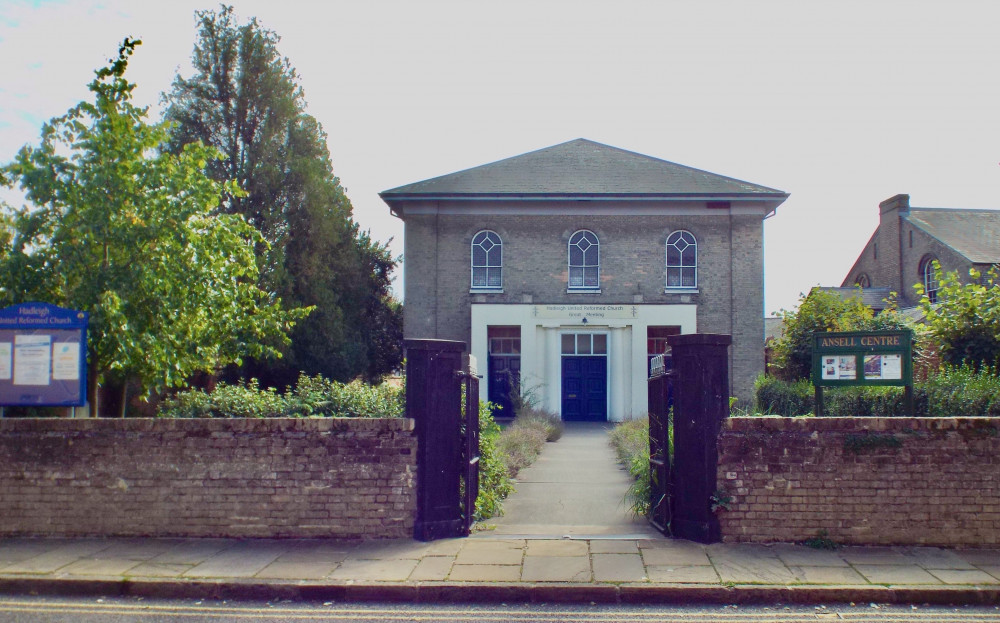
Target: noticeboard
x,y
43,356
862,358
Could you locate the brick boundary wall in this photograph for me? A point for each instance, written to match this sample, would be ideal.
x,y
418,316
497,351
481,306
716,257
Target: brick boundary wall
x,y
332,477
920,481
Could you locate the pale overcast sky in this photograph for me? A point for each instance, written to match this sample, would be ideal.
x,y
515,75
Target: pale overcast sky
x,y
842,104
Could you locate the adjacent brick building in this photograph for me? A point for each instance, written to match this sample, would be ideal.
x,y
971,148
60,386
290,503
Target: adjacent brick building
x,y
566,268
908,240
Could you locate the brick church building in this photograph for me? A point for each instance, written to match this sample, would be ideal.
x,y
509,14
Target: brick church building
x,y
566,268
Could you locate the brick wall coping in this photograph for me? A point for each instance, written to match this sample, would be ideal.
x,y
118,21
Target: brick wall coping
x,y
851,424
239,425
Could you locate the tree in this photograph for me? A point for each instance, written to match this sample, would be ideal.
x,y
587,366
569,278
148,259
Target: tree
x,y
244,99
822,311
118,227
965,320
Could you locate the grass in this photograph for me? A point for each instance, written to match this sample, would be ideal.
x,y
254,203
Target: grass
x,y
631,443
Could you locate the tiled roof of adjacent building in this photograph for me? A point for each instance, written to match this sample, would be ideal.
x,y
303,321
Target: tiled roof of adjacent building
x,y
583,168
973,233
871,297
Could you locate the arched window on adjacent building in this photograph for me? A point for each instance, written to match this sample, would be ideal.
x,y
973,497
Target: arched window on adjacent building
x,y
682,260
863,280
487,261
928,278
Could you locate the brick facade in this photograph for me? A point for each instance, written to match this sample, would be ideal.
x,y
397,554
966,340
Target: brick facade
x,y
333,477
921,481
729,296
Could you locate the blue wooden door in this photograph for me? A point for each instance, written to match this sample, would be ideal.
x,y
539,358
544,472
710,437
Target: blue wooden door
x,y
585,389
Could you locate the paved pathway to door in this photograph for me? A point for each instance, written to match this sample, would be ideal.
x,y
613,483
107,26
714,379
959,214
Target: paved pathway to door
x,y
576,488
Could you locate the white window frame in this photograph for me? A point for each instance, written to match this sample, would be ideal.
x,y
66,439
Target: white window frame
x,y
928,278
583,268
487,267
682,266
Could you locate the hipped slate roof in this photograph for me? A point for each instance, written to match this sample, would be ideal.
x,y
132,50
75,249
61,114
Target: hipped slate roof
x,y
582,168
975,234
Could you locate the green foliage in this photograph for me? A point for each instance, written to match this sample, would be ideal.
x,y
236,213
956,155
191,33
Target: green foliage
x,y
520,444
312,397
951,392
630,439
119,228
494,483
244,99
720,500
818,312
822,540
965,320
549,423
774,396
859,444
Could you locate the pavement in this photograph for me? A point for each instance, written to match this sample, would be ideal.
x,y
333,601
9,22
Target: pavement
x,y
548,548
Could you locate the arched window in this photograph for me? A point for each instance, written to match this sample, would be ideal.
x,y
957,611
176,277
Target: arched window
x,y
928,278
682,260
487,261
863,280
584,261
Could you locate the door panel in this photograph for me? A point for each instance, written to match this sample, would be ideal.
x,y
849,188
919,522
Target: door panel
x,y
504,378
585,389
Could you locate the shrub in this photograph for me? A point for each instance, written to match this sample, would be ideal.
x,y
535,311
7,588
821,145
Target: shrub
x,y
549,422
519,446
494,483
772,396
312,396
952,392
631,443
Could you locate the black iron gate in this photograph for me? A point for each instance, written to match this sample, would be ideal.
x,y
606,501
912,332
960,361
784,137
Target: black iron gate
x,y
442,397
687,406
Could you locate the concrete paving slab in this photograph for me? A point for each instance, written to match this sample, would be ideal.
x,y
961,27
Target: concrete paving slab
x,y
432,569
618,568
64,553
445,547
979,557
193,551
752,569
138,549
245,559
682,574
157,570
18,549
374,570
556,548
896,574
873,556
485,573
679,557
99,566
740,551
935,558
280,570
963,576
613,546
803,556
493,544
476,556
556,569
396,549
993,570
827,575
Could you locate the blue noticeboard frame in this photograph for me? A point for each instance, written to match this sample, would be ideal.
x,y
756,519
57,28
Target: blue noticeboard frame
x,y
43,356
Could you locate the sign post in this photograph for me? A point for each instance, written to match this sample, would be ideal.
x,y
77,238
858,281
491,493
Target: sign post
x,y
866,358
43,356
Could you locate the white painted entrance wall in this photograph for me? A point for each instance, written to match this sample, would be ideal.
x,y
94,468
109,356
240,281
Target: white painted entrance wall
x,y
541,359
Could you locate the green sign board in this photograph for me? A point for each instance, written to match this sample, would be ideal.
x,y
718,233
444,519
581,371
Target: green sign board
x,y
862,358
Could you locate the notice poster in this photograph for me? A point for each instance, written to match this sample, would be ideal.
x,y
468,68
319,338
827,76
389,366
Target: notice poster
x,y
839,368
66,361
6,365
873,367
892,367
32,359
